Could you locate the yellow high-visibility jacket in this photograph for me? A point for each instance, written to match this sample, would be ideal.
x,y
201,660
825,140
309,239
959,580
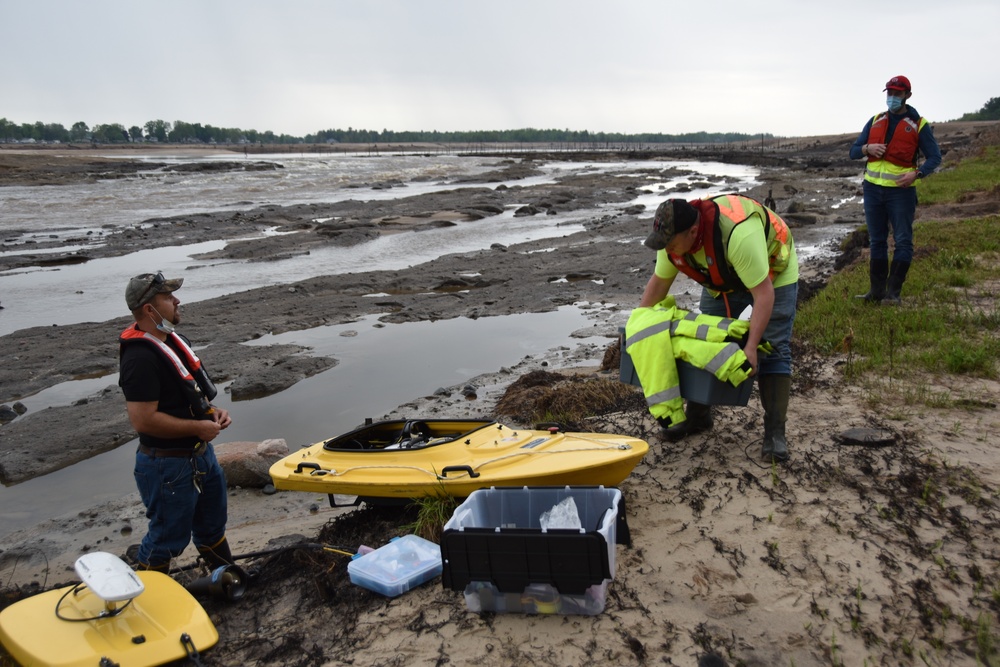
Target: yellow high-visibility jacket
x,y
656,337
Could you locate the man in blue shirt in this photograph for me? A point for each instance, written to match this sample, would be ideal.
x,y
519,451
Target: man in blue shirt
x,y
891,141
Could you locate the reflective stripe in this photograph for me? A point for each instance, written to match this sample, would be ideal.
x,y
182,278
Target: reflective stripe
x,y
720,359
710,328
885,175
651,330
669,394
732,203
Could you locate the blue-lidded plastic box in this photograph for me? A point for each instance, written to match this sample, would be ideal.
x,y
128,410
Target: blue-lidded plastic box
x,y
404,563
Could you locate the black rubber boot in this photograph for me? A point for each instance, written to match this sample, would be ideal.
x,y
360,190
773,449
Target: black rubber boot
x,y
774,393
218,555
131,558
878,271
148,567
699,418
897,276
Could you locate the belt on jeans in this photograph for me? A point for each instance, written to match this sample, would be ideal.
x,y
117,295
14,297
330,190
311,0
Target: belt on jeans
x,y
187,453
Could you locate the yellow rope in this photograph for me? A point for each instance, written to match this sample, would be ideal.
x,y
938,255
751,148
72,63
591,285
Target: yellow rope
x,y
338,551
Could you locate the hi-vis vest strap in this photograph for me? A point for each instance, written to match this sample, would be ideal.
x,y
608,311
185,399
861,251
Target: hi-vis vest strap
x,y
901,150
197,386
655,337
719,217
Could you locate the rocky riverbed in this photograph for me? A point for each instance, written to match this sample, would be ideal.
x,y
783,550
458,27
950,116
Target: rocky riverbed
x,y
605,264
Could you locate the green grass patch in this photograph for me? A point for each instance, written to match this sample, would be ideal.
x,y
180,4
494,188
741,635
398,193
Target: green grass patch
x,y
948,322
432,513
977,174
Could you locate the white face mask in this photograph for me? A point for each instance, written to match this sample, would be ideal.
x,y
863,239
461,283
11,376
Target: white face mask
x,y
163,326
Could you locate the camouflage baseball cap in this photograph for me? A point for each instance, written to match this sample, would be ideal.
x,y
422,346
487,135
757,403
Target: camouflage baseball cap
x,y
143,287
672,216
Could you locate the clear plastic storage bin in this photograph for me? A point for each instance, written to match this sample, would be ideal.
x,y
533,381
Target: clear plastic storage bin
x,y
495,550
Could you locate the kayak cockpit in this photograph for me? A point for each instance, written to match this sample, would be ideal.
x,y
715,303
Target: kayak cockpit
x,y
406,434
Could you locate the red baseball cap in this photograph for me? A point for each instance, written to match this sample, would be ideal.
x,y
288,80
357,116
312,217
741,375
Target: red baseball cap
x,y
898,83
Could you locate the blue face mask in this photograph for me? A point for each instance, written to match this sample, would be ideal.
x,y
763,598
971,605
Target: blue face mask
x,y
894,103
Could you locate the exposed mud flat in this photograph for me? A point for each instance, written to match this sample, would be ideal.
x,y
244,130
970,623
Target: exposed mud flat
x,y
880,549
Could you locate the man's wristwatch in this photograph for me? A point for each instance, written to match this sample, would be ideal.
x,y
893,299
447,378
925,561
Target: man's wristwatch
x,y
920,174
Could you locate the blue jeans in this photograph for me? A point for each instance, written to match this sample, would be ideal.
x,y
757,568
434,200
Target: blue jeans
x,y
885,208
779,327
175,509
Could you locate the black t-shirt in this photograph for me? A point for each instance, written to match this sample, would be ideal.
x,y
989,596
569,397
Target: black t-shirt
x,y
145,375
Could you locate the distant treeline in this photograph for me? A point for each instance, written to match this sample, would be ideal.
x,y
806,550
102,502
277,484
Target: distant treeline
x,y
182,132
196,133
153,131
990,111
524,135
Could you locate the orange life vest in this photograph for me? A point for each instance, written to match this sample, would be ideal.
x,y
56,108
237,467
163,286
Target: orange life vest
x,y
719,217
903,147
198,388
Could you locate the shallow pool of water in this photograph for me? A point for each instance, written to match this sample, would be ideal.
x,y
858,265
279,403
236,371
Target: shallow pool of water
x,y
380,367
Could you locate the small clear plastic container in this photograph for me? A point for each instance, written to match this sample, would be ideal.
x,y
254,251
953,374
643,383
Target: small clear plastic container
x,y
404,563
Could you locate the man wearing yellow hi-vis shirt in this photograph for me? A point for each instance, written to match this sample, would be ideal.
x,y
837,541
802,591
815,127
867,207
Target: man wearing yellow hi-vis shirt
x,y
742,254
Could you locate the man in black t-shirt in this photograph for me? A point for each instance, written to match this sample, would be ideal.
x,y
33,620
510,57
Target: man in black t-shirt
x,y
168,397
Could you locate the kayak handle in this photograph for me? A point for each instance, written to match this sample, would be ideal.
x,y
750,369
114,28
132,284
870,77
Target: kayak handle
x,y
472,473
307,464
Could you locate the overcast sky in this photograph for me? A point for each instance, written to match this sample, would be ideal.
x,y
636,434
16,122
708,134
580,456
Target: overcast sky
x,y
786,67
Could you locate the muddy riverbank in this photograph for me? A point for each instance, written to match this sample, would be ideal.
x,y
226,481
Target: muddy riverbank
x,y
880,552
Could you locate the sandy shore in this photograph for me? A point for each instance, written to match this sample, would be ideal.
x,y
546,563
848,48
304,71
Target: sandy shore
x,y
850,553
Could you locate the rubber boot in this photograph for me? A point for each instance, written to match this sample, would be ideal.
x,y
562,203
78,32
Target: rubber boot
x,y
774,392
698,419
897,276
147,567
131,556
131,559
878,271
217,555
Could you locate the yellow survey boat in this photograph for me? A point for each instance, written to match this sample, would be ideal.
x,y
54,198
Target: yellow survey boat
x,y
83,626
411,459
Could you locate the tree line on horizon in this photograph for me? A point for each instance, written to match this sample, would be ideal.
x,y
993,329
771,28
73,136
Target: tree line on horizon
x,y
160,131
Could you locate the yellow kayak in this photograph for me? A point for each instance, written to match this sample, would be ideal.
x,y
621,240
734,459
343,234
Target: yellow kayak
x,y
412,459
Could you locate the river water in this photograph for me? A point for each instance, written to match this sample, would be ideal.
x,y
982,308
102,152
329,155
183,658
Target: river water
x,y
422,356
